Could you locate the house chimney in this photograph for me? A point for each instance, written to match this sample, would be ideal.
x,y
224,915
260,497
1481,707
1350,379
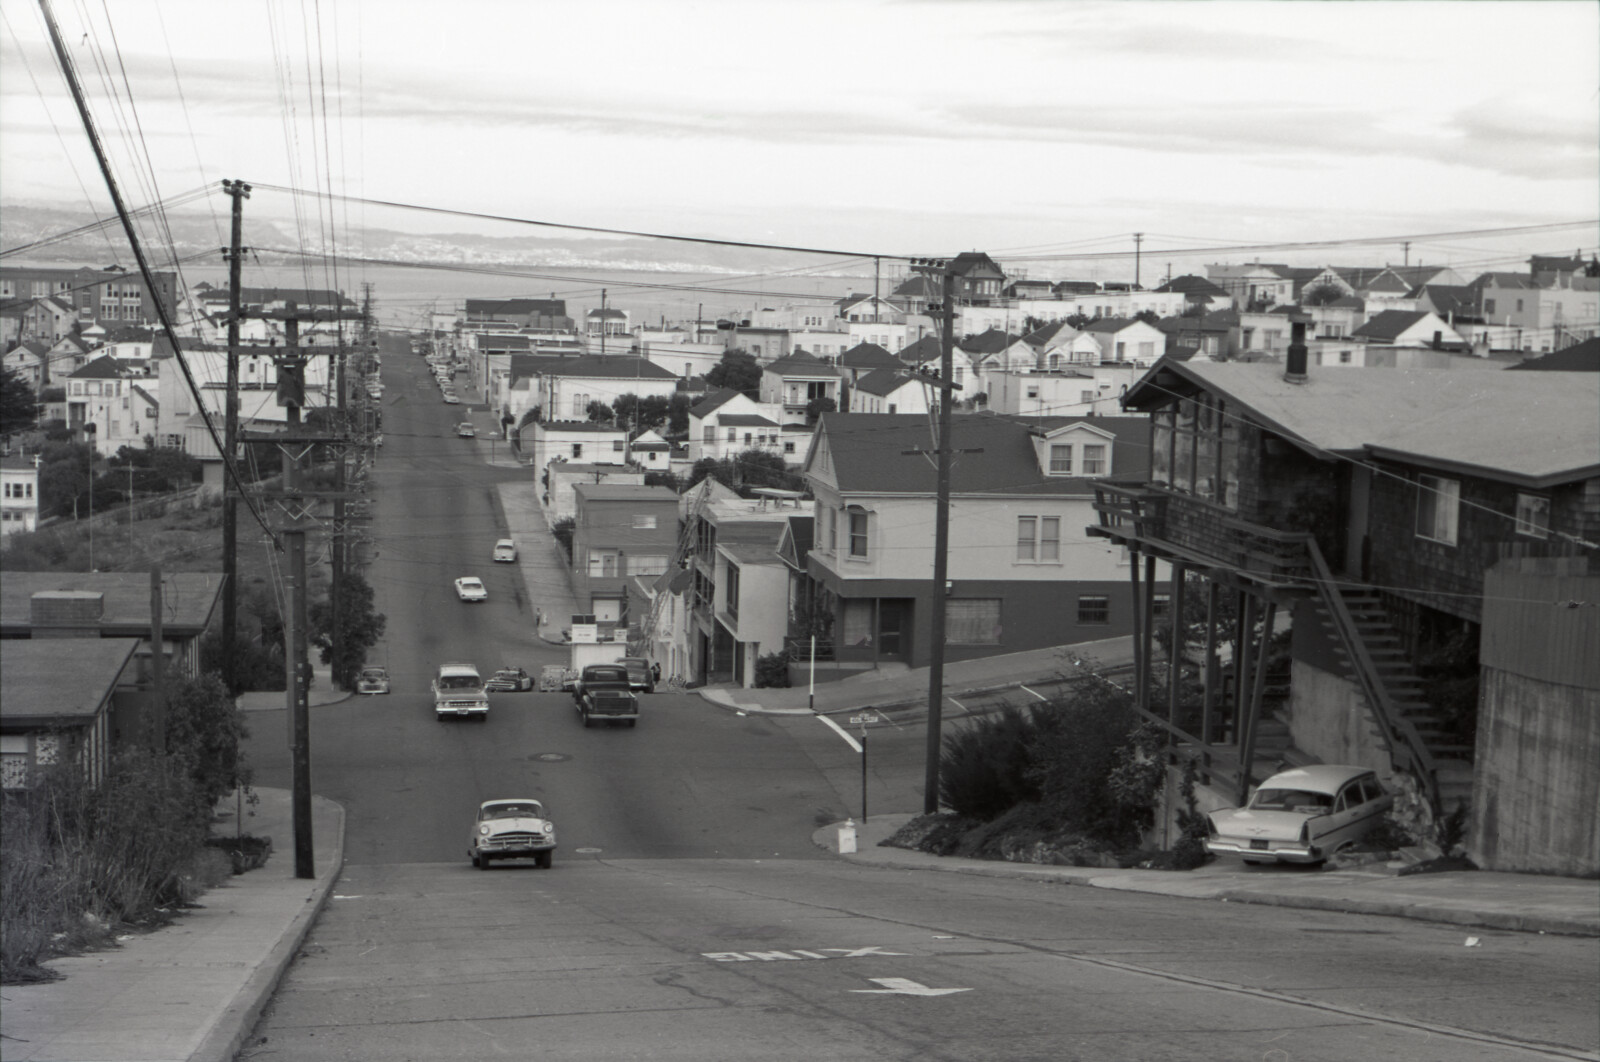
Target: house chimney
x,y
1438,341
1295,370
66,614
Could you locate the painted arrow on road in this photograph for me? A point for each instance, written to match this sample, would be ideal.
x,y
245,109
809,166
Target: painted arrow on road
x,y
899,986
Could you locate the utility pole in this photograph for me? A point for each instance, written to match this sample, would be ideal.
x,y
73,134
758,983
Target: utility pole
x,y
602,322
298,667
1405,250
238,191
1138,238
158,667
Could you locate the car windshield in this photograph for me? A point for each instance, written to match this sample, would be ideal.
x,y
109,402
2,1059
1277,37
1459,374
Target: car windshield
x,y
1291,800
514,811
471,584
373,673
458,682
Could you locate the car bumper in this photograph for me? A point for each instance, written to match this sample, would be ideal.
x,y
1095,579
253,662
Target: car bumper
x,y
1282,853
384,690
515,851
480,710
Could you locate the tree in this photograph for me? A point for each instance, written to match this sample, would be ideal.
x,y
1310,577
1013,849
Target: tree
x,y
1321,295
599,413
678,414
1078,320
637,414
204,728
19,410
63,476
818,406
360,629
738,370
1148,317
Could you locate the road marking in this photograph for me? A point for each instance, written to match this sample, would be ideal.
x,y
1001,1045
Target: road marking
x,y
588,851
796,953
899,986
1036,693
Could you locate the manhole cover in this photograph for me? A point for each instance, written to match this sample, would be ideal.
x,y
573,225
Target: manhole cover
x,y
587,851
552,757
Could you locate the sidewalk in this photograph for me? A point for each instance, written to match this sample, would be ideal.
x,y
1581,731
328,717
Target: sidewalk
x,y
1527,903
194,989
908,687
539,555
323,692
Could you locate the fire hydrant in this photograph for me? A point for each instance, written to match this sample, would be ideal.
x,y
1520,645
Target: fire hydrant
x,y
847,837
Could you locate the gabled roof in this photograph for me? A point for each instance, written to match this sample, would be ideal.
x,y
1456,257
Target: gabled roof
x,y
868,356
1111,324
102,368
745,420
1040,336
1448,298
1388,325
880,453
882,382
1191,286
800,364
797,541
713,402
188,598
1536,429
148,397
923,350
918,286
992,341
60,680
968,262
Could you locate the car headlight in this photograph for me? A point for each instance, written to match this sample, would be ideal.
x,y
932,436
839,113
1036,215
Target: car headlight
x,y
483,831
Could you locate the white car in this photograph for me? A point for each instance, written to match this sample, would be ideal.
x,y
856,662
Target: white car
x,y
471,588
505,551
512,829
1304,815
451,400
466,431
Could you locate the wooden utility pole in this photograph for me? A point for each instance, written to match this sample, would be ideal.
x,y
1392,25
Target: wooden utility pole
x,y
234,253
158,666
291,393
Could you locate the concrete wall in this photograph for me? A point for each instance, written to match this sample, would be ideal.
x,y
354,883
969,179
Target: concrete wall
x,y
1328,718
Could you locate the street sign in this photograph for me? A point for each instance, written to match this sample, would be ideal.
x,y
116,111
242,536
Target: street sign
x,y
865,719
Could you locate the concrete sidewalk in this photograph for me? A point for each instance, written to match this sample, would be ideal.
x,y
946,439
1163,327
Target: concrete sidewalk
x,y
1529,903
194,989
323,692
539,555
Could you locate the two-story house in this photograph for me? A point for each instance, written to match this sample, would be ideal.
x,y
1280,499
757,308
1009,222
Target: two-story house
x,y
1058,346
795,381
889,391
578,441
112,408
1125,339
729,422
979,279
1369,508
1022,573
568,385
19,494
620,531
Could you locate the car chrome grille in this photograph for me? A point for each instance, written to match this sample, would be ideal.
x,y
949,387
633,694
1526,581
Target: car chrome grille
x,y
519,839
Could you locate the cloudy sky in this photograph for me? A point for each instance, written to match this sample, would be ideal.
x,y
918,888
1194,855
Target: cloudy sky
x,y
885,126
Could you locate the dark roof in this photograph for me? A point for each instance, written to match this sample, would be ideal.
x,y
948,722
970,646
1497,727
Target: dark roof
x,y
1580,357
1075,287
1040,336
517,307
102,368
881,381
624,492
610,366
713,402
972,261
1192,285
992,341
801,530
581,425
1449,298
925,349
189,599
60,680
880,453
745,420
1389,324
868,356
800,364
918,286
499,343
1109,324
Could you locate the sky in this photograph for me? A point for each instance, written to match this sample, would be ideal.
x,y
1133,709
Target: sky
x,y
869,126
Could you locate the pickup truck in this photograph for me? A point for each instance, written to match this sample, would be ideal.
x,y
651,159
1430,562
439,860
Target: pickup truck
x,y
601,692
458,691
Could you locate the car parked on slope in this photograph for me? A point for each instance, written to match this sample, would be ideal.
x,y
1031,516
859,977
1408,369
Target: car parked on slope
x,y
471,588
1304,815
505,551
512,829
640,678
373,680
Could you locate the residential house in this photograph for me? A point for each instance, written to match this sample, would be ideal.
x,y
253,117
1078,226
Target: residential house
x,y
1074,391
1212,336
1127,339
925,355
1030,289
110,407
603,327
1266,332
1200,294
978,278
1255,285
57,705
1369,508
1023,574
730,422
916,293
541,314
1409,328
566,387
1569,309
864,358
1058,346
650,451
994,350
581,441
560,479
29,359
890,391
84,296
796,381
19,494
764,344
621,531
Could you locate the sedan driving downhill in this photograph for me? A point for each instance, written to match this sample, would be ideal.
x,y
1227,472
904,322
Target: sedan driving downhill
x,y
512,829
471,588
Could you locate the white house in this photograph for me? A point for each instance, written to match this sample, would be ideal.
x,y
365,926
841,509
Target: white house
x,y
19,494
651,451
1128,339
1408,328
566,388
730,422
888,391
121,409
797,380
580,441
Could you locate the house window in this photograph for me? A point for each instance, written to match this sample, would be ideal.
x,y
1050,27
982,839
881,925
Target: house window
x,y
1194,450
1027,537
1147,351
1344,357
833,530
1061,460
1488,306
1039,538
577,449
1533,515
1094,609
733,434
647,565
1438,500
788,447
1122,349
616,446
972,621
602,563
644,523
708,434
858,532
731,583
1086,396
1094,459
1160,606
1033,390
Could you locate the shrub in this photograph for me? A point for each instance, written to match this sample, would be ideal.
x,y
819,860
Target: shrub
x,y
1082,738
255,666
984,766
562,530
772,670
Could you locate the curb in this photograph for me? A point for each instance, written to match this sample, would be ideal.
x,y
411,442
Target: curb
x,y
226,1038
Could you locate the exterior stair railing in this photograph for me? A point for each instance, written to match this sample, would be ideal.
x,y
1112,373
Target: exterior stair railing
x,y
1407,749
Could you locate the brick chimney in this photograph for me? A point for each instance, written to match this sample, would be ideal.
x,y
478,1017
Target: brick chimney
x,y
1295,365
66,613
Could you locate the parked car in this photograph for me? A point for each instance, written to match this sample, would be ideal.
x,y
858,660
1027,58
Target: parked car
x,y
450,399
466,430
471,588
640,677
1304,815
373,680
512,829
505,551
510,680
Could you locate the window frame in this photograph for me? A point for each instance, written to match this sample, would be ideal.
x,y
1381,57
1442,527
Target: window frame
x,y
1438,502
1094,610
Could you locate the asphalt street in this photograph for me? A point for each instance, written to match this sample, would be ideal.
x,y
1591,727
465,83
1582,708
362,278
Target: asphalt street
x,y
689,915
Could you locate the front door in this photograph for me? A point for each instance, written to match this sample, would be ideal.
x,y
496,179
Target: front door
x,y
1356,557
894,622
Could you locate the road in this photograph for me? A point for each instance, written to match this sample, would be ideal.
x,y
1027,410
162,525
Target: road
x,y
688,915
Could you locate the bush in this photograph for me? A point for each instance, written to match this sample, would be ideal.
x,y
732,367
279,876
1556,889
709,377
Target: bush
x,y
255,666
984,766
562,530
772,671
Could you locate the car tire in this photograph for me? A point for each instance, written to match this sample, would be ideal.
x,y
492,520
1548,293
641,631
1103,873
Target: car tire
x,y
586,720
483,862
542,860
474,857
632,723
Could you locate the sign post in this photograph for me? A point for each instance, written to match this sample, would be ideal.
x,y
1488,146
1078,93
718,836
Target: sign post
x,y
861,721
